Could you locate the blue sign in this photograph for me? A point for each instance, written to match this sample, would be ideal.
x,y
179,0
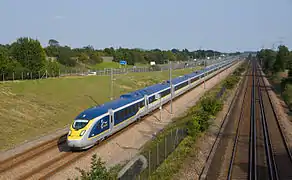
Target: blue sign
x,y
123,62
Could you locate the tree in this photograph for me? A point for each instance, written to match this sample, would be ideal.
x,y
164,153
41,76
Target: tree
x,y
65,56
109,51
53,68
95,58
170,56
29,53
281,58
52,51
267,58
289,65
83,57
4,61
54,43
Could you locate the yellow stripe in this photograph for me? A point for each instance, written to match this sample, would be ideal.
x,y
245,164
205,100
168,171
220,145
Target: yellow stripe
x,y
75,133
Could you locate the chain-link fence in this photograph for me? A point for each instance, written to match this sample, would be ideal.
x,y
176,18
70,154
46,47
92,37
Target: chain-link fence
x,y
64,72
158,153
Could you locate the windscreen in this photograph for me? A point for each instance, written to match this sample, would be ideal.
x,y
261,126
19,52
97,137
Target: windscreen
x,y
79,124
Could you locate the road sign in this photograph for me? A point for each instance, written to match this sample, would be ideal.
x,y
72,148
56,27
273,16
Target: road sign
x,y
122,62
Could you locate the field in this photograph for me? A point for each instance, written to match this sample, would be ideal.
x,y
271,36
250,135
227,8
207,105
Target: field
x,y
33,108
103,65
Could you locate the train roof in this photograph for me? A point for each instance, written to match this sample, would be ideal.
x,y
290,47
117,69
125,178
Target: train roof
x,y
124,99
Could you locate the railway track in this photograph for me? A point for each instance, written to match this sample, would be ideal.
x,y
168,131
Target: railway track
x,y
239,160
23,157
281,158
38,163
259,149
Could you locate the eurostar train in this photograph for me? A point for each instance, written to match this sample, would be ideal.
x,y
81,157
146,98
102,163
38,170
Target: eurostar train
x,y
96,124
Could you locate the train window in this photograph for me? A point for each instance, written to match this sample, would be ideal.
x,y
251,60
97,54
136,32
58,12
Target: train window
x,y
136,108
79,124
123,113
151,99
181,86
141,104
165,93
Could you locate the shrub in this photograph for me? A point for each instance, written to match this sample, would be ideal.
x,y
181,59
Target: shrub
x,y
231,81
211,105
287,95
198,122
97,170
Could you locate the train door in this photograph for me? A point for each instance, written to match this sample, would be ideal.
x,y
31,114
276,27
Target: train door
x,y
146,102
111,119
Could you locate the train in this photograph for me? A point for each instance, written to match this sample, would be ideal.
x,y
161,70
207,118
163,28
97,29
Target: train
x,y
95,124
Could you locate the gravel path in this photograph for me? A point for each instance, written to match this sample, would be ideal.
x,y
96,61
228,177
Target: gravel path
x,y
126,145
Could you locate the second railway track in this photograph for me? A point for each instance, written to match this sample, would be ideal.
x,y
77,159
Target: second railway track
x,y
258,149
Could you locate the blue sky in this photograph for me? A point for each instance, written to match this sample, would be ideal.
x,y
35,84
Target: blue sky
x,y
225,25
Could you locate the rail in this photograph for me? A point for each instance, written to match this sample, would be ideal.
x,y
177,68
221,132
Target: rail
x,y
269,152
277,169
234,148
252,172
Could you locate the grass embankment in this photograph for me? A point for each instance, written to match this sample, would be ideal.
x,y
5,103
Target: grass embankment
x,y
197,120
32,108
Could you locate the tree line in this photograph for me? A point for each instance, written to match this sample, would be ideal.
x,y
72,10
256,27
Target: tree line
x,y
275,62
28,55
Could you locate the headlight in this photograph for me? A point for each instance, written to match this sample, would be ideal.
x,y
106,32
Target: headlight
x,y
82,132
69,134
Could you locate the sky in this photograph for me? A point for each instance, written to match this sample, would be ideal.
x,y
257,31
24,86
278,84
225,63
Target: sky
x,y
225,25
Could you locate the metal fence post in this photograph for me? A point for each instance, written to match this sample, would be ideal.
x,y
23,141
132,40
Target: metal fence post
x,y
13,76
149,167
157,151
171,140
165,147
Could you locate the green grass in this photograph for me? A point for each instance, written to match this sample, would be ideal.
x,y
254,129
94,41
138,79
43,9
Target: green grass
x,y
32,108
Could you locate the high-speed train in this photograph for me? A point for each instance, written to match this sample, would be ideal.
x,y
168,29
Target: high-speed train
x,y
97,123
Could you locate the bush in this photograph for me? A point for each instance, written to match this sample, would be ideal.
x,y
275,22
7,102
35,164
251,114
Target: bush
x,y
230,82
97,171
211,105
287,95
